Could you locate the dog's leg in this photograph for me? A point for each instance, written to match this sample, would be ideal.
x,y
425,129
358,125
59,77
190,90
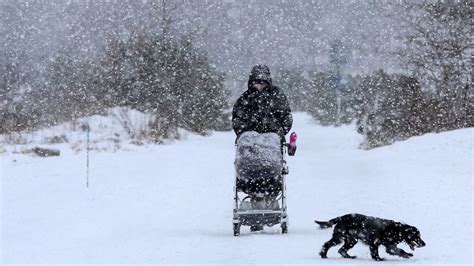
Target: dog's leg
x,y
374,252
334,241
394,250
349,242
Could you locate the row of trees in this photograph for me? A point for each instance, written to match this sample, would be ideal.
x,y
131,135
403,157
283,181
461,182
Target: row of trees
x,y
144,62
434,94
158,69
167,77
385,107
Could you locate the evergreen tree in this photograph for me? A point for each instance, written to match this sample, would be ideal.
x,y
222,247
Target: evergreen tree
x,y
295,86
323,98
169,78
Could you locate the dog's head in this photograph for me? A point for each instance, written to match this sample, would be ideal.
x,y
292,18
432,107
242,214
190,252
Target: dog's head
x,y
411,235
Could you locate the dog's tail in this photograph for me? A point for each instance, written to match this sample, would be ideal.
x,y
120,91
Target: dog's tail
x,y
329,223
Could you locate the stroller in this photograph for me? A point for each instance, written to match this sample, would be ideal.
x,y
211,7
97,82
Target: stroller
x,y
259,190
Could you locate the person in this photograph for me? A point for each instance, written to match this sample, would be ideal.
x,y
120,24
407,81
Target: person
x,y
263,107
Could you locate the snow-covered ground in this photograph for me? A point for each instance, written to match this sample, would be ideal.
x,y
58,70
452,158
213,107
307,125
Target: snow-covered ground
x,y
172,204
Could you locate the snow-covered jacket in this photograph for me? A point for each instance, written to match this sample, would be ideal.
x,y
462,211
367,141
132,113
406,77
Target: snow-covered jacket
x,y
262,111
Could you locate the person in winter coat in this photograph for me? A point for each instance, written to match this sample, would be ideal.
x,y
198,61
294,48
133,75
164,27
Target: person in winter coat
x,y
262,107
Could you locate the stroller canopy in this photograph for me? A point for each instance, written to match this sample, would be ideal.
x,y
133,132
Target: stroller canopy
x,y
258,156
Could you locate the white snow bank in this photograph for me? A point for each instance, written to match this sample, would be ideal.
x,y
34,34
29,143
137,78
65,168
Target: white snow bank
x,y
122,128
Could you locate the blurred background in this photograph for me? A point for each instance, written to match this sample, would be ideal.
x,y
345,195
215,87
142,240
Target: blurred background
x,y
393,68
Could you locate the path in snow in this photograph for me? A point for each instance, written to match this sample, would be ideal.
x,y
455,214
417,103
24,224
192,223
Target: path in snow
x,y
173,204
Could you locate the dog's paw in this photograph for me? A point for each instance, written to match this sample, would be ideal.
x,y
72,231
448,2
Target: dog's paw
x,y
379,259
346,256
407,255
323,255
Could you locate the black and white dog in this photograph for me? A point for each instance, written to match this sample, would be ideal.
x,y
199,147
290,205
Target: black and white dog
x,y
372,231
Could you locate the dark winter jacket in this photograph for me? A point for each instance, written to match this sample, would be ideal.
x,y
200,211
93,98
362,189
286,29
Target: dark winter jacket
x,y
262,111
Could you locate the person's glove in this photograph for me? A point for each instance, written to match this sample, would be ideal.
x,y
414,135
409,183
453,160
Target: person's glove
x,y
292,144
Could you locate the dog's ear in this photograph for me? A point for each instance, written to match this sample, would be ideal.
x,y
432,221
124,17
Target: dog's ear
x,y
405,227
411,231
409,228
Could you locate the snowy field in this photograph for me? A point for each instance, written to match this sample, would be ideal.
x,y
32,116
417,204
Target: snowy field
x,y
172,204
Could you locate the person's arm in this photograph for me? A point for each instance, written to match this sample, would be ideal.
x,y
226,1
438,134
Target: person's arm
x,y
284,117
240,118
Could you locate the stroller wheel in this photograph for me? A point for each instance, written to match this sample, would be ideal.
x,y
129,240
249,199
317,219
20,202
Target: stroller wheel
x,y
236,229
284,228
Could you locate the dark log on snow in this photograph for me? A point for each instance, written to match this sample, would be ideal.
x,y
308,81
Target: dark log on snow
x,y
45,152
